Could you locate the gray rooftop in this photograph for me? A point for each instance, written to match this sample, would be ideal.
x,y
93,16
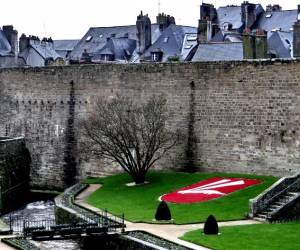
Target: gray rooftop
x,y
122,48
65,44
232,14
280,20
37,52
5,47
219,52
96,38
171,41
280,43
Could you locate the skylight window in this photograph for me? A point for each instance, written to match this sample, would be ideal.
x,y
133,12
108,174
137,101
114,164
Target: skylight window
x,y
89,38
166,39
268,15
191,38
100,35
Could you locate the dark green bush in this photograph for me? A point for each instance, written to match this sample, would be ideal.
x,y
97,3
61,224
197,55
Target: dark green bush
x,y
163,211
211,225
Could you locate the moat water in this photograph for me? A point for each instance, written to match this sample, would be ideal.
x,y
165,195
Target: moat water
x,y
39,211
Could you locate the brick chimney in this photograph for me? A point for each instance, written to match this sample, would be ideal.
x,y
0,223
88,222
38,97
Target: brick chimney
x,y
296,36
12,37
144,35
248,14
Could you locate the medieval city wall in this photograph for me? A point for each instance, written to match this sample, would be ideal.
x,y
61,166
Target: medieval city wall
x,y
236,116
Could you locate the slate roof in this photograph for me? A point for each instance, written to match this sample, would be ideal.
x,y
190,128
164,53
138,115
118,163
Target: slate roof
x,y
280,44
37,52
96,38
171,41
122,49
282,20
5,47
232,14
219,52
65,44
63,47
227,36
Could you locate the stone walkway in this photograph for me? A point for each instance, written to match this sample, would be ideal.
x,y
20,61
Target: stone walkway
x,y
4,246
168,231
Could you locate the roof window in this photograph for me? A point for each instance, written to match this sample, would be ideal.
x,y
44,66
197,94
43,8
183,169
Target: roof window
x,y
188,46
191,38
287,41
89,38
268,15
101,35
166,39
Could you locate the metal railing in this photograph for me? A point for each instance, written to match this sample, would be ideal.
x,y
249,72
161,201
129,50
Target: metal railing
x,y
284,185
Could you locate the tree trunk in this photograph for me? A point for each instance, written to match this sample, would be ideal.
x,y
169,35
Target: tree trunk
x,y
139,178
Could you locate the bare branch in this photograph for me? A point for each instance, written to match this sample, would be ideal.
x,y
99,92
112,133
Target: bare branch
x,y
133,135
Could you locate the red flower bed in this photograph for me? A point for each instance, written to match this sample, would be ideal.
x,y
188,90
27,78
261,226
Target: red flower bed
x,y
209,189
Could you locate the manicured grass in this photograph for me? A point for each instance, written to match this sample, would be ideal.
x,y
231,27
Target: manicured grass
x,y
139,203
262,236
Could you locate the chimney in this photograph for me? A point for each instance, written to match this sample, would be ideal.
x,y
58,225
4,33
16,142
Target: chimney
x,y
208,12
261,44
23,43
275,7
248,44
296,36
206,24
144,35
248,14
204,31
164,21
255,46
12,37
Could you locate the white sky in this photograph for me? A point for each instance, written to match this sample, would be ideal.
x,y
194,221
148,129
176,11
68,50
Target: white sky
x,y
70,19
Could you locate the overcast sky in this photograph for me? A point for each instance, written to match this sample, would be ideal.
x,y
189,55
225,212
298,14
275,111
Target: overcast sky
x,y
70,19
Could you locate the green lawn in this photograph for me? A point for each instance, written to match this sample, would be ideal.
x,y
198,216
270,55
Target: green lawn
x,y
262,236
139,203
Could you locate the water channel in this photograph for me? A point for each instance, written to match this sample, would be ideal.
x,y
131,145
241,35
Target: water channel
x,y
39,211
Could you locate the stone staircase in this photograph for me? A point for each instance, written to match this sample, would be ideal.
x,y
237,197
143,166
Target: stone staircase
x,y
280,202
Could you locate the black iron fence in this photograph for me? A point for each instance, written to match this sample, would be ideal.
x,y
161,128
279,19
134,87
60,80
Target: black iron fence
x,y
110,223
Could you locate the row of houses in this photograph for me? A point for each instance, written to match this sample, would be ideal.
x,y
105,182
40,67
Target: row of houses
x,y
231,32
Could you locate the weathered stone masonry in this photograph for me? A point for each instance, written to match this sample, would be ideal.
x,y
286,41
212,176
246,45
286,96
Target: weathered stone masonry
x,y
244,116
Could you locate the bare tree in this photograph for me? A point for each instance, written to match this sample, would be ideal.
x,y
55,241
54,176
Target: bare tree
x,y
133,135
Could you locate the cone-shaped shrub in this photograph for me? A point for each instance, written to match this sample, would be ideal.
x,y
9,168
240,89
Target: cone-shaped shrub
x,y
163,211
211,225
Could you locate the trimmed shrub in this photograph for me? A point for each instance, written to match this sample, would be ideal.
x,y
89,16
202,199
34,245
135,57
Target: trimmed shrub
x,y
163,211
211,225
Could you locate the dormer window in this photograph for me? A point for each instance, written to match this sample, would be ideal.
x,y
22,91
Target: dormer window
x,y
191,38
156,55
89,38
